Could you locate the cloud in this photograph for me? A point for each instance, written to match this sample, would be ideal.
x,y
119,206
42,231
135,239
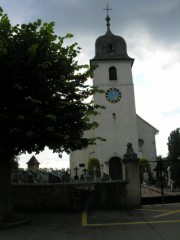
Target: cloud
x,y
172,113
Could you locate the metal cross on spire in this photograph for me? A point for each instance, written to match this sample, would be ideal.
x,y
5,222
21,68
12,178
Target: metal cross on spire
x,y
107,9
107,17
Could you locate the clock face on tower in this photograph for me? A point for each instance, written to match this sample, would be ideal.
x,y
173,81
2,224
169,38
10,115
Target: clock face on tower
x,y
113,95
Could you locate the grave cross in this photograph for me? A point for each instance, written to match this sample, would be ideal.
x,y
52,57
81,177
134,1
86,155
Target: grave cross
x,y
85,171
76,176
76,169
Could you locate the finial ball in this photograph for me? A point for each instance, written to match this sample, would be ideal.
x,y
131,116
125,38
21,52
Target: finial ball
x,y
129,145
108,18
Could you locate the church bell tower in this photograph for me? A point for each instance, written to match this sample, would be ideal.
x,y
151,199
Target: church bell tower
x,y
117,122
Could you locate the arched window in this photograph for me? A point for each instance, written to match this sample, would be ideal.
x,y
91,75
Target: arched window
x,y
112,73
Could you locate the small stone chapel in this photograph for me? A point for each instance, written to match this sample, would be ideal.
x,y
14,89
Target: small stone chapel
x,y
118,123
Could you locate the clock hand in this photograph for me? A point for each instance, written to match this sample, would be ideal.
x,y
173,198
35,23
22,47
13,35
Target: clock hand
x,y
113,94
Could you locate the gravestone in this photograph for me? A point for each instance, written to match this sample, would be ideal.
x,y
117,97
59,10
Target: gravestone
x,y
145,177
54,178
30,178
45,177
170,179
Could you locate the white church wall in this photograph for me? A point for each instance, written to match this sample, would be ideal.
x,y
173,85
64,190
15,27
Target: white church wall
x,y
101,74
120,128
146,132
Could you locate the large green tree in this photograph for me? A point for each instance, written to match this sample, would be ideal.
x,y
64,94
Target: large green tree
x,y
43,96
174,144
174,154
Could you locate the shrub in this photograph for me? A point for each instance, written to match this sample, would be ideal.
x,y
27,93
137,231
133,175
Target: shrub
x,y
92,163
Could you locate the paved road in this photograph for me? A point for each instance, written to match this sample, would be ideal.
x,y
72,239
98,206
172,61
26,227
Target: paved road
x,y
148,223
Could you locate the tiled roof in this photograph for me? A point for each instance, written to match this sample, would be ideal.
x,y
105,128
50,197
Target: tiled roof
x,y
33,161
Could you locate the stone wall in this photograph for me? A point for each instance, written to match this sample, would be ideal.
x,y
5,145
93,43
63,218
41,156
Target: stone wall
x,y
71,196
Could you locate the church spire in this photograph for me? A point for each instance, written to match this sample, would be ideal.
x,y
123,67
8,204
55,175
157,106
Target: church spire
x,y
110,46
107,17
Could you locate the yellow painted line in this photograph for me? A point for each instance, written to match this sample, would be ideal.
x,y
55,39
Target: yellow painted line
x,y
86,224
84,218
129,223
168,213
151,210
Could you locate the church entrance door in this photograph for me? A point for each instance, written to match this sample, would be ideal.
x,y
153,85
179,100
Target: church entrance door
x,y
115,168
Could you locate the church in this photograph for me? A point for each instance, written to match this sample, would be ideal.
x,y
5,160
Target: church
x,y
119,123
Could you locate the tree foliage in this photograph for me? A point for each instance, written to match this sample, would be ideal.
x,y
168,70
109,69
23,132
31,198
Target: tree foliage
x,y
43,90
174,145
94,163
14,163
174,154
43,96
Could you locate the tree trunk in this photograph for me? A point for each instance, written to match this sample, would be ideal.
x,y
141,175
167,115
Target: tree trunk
x,y
5,189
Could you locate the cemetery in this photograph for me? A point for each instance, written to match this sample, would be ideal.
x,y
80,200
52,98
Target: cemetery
x,y
38,190
45,189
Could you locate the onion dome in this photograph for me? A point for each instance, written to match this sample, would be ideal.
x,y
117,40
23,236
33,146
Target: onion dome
x,y
110,46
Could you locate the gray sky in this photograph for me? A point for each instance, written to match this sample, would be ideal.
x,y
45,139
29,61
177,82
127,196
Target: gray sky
x,y
152,33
